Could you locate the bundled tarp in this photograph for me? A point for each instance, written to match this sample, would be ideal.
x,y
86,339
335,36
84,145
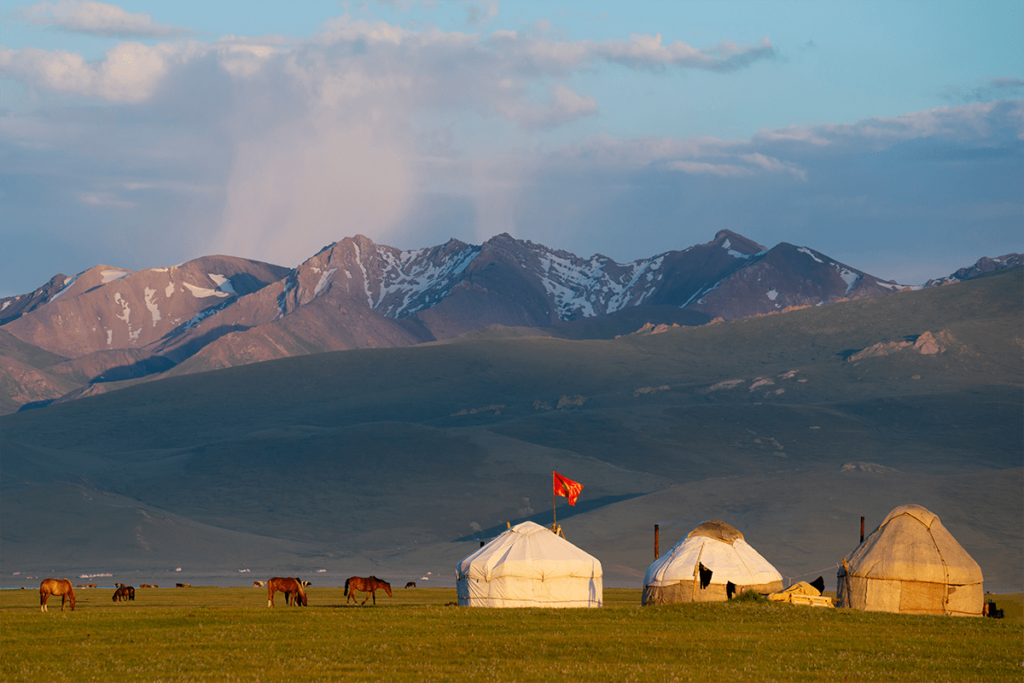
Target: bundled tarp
x,y
802,593
720,548
529,566
912,565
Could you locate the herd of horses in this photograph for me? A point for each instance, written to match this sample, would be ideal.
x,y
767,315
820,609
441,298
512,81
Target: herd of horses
x,y
292,587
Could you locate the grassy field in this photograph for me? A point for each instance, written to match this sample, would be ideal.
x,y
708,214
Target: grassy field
x,y
228,634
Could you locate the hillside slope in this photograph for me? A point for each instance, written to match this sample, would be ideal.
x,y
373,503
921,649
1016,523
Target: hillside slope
x,y
397,461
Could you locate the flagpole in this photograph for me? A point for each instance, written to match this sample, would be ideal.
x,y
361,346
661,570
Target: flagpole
x,y
554,515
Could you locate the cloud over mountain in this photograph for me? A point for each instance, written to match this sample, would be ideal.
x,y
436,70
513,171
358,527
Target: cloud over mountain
x,y
96,18
269,148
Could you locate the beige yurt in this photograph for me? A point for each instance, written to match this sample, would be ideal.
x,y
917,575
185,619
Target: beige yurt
x,y
529,566
910,564
674,577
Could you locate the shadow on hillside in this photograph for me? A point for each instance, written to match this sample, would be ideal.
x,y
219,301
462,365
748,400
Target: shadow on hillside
x,y
140,368
541,518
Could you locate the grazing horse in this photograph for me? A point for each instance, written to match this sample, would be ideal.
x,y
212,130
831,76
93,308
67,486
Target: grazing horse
x,y
411,584
291,587
124,592
61,587
368,585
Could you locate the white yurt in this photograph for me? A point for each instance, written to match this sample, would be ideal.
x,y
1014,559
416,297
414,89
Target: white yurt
x,y
674,577
912,565
529,566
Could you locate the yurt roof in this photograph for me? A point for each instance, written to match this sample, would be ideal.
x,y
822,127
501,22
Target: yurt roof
x,y
717,530
912,544
721,548
529,551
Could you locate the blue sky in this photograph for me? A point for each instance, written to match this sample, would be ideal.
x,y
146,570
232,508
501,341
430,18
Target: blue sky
x,y
141,134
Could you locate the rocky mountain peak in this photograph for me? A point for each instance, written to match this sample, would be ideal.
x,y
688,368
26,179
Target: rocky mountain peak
x,y
731,241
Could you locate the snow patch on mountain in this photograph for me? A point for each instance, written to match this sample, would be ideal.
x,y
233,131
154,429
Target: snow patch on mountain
x,y
203,292
111,275
727,245
151,305
596,286
849,277
805,250
290,283
126,311
67,285
325,279
203,315
366,283
413,280
223,283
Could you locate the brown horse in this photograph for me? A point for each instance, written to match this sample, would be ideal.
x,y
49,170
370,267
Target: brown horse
x,y
61,587
124,592
291,587
368,585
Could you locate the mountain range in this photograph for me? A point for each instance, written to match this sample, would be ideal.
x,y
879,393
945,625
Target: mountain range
x,y
78,336
399,461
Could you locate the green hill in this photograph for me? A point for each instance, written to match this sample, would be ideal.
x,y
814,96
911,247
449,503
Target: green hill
x,y
396,461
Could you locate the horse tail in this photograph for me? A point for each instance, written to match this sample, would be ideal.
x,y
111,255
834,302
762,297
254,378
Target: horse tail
x,y
346,586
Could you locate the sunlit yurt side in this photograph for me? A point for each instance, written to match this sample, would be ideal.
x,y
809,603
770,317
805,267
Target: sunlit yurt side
x,y
911,564
720,548
529,566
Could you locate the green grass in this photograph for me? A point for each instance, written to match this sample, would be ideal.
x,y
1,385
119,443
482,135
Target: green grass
x,y
229,634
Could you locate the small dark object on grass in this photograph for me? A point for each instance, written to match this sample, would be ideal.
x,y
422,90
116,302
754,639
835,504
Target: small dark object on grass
x,y
451,604
991,611
705,576
411,584
819,583
750,595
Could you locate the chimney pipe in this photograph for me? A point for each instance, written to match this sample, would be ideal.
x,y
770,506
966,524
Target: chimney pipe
x,y
862,529
657,552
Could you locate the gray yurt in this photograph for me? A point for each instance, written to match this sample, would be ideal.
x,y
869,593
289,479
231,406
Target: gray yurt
x,y
675,576
910,564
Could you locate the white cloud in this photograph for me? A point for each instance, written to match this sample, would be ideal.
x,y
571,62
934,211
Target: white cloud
x,y
699,167
129,72
773,164
277,147
647,52
565,106
479,13
96,18
104,199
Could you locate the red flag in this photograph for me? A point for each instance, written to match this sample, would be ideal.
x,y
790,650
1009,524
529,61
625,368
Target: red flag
x,y
567,488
